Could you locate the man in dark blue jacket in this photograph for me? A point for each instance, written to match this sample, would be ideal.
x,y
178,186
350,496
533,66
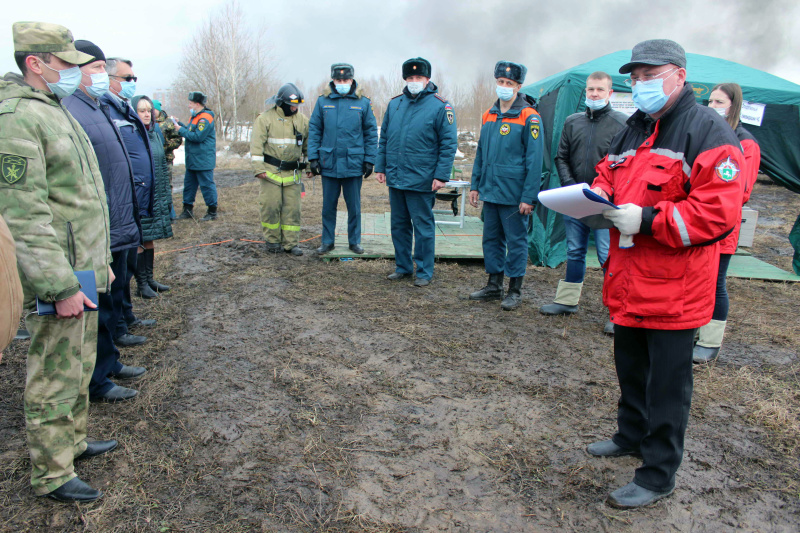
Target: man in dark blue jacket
x,y
507,175
201,157
93,115
415,158
342,144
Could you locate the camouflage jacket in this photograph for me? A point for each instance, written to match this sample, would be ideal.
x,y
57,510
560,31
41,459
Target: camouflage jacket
x,y
276,135
51,194
172,140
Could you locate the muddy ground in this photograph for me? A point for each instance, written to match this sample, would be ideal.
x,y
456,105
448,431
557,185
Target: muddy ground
x,y
290,394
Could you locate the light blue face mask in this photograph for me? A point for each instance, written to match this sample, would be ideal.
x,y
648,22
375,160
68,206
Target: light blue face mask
x,y
649,96
99,85
504,93
68,81
342,88
193,111
596,105
415,87
127,89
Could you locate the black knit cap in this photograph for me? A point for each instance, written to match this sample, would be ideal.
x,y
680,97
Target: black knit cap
x,y
513,71
88,47
197,97
342,71
416,66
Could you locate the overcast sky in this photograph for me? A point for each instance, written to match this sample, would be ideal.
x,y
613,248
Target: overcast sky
x,y
461,38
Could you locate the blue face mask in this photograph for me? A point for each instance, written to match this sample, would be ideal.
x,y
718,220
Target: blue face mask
x,y
99,85
504,93
342,88
127,89
596,105
68,81
193,111
649,96
415,87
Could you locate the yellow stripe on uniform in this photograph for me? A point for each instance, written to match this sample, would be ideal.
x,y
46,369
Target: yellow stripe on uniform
x,y
290,228
270,226
280,179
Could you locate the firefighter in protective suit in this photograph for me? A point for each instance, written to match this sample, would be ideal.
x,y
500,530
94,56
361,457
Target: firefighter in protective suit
x,y
278,151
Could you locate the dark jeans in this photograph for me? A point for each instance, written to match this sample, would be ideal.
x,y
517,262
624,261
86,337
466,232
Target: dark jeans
x,y
331,188
126,316
109,311
721,303
654,368
578,244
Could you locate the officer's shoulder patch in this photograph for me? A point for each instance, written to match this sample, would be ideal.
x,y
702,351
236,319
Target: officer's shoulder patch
x,y
9,105
440,97
13,169
727,169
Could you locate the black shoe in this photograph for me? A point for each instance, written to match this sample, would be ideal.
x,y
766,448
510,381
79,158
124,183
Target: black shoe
x,y
129,340
211,214
632,496
514,295
149,258
95,448
141,323
116,393
608,448
324,249
188,212
394,276
492,291
703,354
75,490
129,372
142,287
421,282
558,309
273,247
356,249
295,251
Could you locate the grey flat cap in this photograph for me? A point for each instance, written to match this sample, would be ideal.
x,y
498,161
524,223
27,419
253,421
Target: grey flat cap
x,y
655,52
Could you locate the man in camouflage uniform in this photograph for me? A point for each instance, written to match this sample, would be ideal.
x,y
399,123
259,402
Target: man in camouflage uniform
x,y
277,148
172,139
53,199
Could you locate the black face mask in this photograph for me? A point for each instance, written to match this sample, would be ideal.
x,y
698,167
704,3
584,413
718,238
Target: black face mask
x,y
287,110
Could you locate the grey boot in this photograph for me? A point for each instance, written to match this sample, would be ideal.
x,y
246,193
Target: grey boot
x,y
492,291
514,295
188,212
709,342
566,300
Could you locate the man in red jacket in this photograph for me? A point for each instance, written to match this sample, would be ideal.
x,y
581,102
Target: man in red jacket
x,y
674,172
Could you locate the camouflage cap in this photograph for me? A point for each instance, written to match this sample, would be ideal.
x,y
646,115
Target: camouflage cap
x,y
43,37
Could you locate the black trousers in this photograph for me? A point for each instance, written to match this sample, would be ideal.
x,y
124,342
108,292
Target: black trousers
x,y
654,368
109,306
126,316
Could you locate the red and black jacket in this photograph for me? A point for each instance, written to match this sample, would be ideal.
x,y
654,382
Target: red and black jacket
x,y
752,160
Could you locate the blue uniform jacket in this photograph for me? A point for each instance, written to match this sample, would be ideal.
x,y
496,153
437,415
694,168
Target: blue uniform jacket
x,y
508,164
115,166
201,141
137,142
418,140
343,133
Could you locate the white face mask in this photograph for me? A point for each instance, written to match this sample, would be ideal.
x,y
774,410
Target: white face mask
x,y
723,111
415,87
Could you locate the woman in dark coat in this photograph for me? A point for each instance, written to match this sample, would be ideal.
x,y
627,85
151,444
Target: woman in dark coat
x,y
158,226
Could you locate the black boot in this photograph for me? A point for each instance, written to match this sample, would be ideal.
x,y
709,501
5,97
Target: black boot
x,y
514,296
188,212
492,291
149,257
142,287
211,214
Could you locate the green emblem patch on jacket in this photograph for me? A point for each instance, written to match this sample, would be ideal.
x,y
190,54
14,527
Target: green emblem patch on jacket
x,y
13,168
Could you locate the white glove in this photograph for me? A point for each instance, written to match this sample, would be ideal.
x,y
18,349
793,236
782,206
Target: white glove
x,y
627,219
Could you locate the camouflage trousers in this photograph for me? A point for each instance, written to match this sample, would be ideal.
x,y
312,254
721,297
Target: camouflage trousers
x,y
60,364
280,213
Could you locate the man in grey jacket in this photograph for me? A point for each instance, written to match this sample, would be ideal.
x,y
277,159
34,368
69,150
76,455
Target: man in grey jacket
x,y
584,142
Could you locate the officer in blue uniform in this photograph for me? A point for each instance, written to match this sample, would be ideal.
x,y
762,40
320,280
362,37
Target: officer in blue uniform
x,y
201,157
342,144
506,175
415,158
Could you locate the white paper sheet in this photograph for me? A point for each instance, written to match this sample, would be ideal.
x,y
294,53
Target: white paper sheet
x,y
571,201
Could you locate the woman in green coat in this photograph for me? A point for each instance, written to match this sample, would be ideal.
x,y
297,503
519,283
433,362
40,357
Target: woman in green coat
x,y
158,226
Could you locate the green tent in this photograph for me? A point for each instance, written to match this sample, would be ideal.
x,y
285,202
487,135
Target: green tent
x,y
563,94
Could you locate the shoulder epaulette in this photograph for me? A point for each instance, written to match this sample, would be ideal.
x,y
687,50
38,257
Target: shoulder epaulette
x,y
9,105
440,97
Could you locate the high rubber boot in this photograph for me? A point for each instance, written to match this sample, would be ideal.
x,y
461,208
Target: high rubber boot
x,y
211,214
142,287
566,300
710,341
188,212
492,291
149,258
514,295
